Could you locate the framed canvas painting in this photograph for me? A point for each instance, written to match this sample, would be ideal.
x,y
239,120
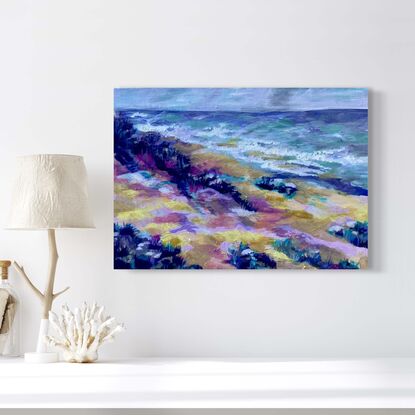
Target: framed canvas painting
x,y
247,178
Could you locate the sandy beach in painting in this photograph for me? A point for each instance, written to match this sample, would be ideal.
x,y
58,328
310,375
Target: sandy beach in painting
x,y
217,189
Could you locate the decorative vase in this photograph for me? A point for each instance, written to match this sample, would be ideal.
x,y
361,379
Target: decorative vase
x,y
9,315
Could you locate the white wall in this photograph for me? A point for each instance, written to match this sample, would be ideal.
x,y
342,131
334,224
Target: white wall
x,y
60,61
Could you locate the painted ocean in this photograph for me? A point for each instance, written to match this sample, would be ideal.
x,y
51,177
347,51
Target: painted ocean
x,y
307,143
241,178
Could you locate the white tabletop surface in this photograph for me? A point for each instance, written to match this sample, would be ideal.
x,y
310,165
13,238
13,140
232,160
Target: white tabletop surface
x,y
209,383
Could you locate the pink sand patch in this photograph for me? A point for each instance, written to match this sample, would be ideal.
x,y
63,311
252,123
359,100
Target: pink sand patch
x,y
217,260
147,192
171,217
222,221
268,220
262,205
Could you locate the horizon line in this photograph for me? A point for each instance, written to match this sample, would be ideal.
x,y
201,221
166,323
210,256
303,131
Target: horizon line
x,y
235,111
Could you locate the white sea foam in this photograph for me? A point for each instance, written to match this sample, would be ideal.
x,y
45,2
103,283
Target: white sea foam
x,y
218,131
137,177
139,114
162,129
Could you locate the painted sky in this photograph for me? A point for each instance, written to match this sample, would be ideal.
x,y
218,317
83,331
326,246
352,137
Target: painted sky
x,y
240,99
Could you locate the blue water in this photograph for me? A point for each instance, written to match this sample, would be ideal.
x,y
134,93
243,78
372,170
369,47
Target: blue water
x,y
321,143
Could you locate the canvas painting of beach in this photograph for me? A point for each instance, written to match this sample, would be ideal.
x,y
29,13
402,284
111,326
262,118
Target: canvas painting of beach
x,y
246,178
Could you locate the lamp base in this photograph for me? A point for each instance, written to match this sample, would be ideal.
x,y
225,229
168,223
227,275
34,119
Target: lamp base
x,y
45,357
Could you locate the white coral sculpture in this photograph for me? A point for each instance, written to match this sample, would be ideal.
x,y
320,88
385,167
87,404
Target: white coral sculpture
x,y
80,333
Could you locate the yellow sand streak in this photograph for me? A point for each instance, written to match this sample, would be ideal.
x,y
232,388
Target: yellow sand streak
x,y
159,228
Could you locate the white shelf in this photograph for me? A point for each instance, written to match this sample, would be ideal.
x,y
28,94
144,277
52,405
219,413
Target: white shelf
x,y
209,383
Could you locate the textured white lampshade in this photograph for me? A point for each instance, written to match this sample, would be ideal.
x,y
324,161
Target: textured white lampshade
x,y
50,192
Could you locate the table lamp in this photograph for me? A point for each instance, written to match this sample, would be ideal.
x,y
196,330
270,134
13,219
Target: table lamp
x,y
49,193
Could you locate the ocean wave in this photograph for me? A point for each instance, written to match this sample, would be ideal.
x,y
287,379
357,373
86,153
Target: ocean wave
x,y
139,114
311,158
217,131
162,129
304,146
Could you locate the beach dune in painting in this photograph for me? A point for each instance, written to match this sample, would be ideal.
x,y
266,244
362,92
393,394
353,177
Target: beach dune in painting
x,y
247,178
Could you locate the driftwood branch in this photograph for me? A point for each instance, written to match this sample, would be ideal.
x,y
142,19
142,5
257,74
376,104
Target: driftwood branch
x,y
48,296
60,292
22,272
53,260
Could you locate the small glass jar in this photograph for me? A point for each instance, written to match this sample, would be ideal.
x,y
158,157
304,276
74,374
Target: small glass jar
x,y
9,315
